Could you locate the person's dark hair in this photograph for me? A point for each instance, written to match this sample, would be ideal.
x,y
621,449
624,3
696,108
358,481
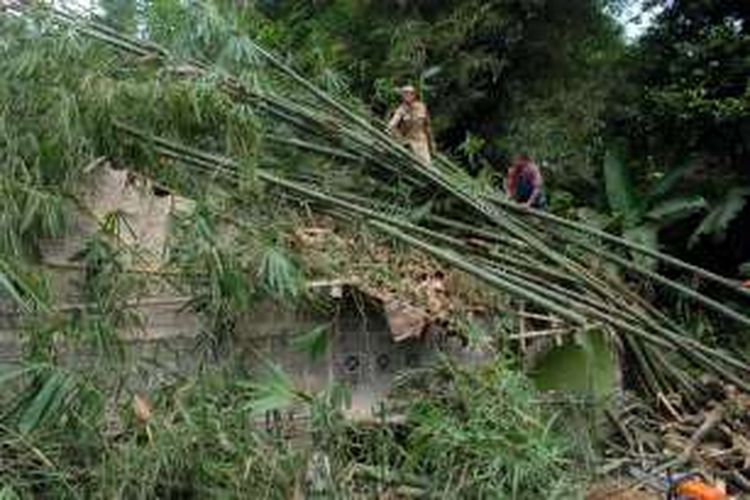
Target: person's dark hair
x,y
522,159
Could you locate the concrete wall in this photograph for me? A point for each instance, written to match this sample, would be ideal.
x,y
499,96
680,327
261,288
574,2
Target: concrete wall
x,y
362,353
163,346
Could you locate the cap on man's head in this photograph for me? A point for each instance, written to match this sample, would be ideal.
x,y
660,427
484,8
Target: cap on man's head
x,y
408,88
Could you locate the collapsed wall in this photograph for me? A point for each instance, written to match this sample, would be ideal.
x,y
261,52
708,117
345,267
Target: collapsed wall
x,y
372,335
363,353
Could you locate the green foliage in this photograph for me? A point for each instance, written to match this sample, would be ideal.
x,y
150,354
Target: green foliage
x,y
230,266
585,365
620,194
674,209
41,397
633,208
216,278
640,218
315,343
8,493
701,88
28,213
10,289
26,288
46,403
721,215
463,422
274,390
280,276
476,63
202,439
645,235
199,442
670,180
685,93
106,289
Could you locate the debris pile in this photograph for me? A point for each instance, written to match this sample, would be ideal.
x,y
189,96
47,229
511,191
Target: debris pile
x,y
712,440
415,289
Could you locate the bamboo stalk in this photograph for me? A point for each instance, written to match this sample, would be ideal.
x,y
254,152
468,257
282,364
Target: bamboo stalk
x,y
509,285
374,142
687,292
622,242
491,278
536,242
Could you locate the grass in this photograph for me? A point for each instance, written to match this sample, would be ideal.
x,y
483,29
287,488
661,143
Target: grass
x,y
471,434
485,434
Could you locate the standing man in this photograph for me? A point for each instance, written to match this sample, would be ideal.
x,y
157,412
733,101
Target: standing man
x,y
411,123
524,183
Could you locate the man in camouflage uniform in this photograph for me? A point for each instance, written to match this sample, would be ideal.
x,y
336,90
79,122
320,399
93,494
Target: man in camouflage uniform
x,y
411,123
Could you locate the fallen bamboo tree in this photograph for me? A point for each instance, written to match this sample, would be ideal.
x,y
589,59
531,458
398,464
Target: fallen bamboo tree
x,y
530,255
632,321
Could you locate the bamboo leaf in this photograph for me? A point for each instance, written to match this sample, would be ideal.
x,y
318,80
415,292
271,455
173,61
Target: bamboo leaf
x,y
10,375
7,286
8,493
45,402
314,343
279,274
30,210
23,289
275,391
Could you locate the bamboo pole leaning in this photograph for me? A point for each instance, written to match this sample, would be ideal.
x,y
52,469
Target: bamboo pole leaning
x,y
581,309
377,137
526,257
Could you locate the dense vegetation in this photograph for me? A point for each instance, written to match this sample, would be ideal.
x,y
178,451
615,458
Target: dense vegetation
x,y
558,80
647,140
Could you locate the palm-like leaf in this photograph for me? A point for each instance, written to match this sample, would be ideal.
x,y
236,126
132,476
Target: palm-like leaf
x,y
675,209
644,235
721,215
619,188
670,180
